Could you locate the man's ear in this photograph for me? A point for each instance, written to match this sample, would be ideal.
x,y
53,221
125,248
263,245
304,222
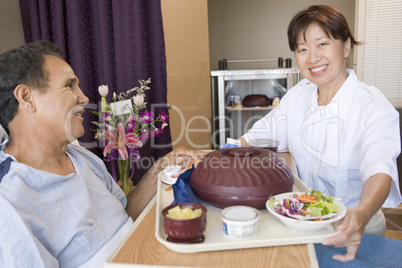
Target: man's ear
x,y
23,94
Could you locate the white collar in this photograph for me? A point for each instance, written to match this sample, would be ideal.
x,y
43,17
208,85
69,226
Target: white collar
x,y
341,102
345,94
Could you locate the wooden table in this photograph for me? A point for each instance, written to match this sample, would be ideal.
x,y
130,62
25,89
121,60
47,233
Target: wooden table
x,y
140,247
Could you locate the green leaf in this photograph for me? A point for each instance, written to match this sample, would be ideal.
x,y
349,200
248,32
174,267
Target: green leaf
x,y
96,113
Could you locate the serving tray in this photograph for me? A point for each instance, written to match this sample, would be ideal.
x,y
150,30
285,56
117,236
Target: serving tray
x,y
271,232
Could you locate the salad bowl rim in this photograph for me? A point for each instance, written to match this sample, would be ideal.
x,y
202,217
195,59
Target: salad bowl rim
x,y
341,211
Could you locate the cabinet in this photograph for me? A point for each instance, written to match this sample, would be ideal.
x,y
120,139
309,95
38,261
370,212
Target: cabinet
x,y
228,121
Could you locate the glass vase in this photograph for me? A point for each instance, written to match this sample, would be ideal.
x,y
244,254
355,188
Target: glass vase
x,y
124,176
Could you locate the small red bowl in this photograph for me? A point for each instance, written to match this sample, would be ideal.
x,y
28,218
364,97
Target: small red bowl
x,y
185,230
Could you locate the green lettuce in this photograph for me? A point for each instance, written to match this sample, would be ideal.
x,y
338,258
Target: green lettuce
x,y
322,207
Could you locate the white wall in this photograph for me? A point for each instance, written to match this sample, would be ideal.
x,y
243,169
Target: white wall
x,y
11,33
257,29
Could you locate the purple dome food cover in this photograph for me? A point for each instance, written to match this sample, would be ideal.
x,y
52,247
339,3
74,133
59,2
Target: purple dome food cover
x,y
241,176
256,100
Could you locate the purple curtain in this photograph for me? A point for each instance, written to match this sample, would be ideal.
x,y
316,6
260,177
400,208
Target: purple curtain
x,y
112,42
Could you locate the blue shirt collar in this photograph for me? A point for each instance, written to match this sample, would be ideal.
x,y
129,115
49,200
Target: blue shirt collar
x,y
4,138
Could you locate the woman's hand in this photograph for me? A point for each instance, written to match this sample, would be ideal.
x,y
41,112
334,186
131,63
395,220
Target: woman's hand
x,y
352,228
356,219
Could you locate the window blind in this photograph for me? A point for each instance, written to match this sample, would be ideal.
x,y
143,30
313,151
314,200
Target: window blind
x,y
383,46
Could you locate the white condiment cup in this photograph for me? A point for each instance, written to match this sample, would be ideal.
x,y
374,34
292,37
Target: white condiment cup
x,y
240,221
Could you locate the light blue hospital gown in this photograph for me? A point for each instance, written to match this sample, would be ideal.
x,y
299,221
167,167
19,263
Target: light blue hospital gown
x,y
47,220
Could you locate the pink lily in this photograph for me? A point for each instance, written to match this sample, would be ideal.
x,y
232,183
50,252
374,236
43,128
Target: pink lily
x,y
120,141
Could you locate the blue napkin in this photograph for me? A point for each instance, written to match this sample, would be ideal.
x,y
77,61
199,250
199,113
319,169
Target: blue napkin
x,y
374,251
230,145
182,191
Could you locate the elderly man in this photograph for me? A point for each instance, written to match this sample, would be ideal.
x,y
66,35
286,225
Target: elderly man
x,y
59,205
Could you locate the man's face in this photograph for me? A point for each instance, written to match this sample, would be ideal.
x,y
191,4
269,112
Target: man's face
x,y
61,105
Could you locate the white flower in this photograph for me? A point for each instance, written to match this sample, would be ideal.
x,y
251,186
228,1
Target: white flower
x,y
138,100
103,90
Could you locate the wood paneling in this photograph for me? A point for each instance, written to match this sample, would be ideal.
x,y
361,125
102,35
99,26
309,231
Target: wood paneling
x,y
188,74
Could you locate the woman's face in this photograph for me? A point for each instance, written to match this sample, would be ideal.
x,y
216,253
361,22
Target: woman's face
x,y
321,59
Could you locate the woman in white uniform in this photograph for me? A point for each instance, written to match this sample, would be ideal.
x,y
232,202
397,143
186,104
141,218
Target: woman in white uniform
x,y
343,134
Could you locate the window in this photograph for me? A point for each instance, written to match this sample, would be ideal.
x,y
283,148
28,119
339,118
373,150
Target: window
x,y
380,28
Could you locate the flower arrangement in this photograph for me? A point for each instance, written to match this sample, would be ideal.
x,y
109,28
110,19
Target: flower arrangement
x,y
124,126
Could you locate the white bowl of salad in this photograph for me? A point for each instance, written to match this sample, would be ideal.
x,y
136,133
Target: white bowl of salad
x,y
306,211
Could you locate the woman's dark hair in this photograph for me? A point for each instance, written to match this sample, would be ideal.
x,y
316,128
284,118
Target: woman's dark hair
x,y
328,18
24,65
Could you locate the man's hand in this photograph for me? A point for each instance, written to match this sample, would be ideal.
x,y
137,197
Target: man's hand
x,y
145,190
182,156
